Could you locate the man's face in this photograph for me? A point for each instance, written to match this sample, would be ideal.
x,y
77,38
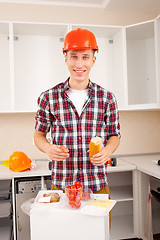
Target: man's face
x,y
79,63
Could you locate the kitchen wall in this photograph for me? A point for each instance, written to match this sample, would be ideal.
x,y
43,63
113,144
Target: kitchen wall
x,y
140,129
140,133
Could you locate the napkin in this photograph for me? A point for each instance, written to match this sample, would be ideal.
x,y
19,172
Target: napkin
x,y
98,207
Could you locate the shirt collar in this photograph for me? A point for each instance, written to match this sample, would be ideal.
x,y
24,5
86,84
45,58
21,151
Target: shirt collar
x,y
66,85
90,86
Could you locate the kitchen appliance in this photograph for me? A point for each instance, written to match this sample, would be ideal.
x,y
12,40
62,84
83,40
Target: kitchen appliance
x,y
112,162
27,188
156,194
6,221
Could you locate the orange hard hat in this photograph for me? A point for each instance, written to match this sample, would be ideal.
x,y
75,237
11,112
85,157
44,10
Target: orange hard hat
x,y
19,161
80,39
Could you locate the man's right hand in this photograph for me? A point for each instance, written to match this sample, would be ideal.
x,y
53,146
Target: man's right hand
x,y
58,153
55,152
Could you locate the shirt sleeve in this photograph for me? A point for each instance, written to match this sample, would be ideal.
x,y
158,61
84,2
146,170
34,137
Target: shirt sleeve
x,y
112,119
43,116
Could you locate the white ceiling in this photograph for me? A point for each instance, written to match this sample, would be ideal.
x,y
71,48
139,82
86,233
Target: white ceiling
x,y
145,6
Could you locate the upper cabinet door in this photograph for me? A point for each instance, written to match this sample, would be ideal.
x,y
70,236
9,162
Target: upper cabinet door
x,y
157,43
38,61
108,70
141,66
5,94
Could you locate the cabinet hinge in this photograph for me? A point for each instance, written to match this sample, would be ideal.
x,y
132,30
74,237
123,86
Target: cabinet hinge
x,y
110,41
61,39
15,38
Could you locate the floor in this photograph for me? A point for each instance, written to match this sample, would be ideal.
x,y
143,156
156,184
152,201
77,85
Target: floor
x,y
155,237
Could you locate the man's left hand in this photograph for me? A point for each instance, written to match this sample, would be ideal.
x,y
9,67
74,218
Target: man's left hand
x,y
100,158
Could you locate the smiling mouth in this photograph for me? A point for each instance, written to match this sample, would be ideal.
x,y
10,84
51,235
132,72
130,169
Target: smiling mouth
x,y
79,71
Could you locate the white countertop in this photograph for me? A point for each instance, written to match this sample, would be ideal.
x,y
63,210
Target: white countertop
x,y
122,166
42,170
145,164
142,163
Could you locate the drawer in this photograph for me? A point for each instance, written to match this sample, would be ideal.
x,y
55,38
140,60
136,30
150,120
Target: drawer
x,y
5,188
5,209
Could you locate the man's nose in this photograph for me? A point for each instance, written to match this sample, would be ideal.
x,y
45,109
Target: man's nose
x,y
79,62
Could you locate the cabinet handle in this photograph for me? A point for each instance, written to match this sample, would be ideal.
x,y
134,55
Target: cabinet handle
x,y
19,226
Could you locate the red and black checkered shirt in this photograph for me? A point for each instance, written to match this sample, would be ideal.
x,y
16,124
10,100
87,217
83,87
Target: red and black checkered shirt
x,y
99,117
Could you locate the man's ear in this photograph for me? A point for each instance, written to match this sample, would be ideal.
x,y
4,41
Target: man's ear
x,y
65,57
94,60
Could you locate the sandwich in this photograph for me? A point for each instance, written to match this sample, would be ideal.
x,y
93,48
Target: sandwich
x,y
95,146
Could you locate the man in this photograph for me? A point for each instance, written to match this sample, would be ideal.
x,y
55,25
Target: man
x,y
74,112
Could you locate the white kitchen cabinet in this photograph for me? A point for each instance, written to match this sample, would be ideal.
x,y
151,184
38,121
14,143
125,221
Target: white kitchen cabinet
x,y
157,43
147,174
109,69
123,188
142,68
145,181
5,84
38,61
31,60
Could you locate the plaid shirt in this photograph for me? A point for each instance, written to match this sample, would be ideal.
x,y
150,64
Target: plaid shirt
x,y
99,117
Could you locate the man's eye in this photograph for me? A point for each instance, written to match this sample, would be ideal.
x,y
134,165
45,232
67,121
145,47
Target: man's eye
x,y
73,56
85,57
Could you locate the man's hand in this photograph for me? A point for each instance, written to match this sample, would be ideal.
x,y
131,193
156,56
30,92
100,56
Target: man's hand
x,y
100,158
57,153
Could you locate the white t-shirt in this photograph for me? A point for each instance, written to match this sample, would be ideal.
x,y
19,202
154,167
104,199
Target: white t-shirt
x,y
78,98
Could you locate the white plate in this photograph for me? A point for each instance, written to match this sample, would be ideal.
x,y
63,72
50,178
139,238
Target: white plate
x,y
96,210
42,192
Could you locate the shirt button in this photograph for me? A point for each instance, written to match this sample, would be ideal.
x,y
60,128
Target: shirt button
x,y
80,138
80,169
